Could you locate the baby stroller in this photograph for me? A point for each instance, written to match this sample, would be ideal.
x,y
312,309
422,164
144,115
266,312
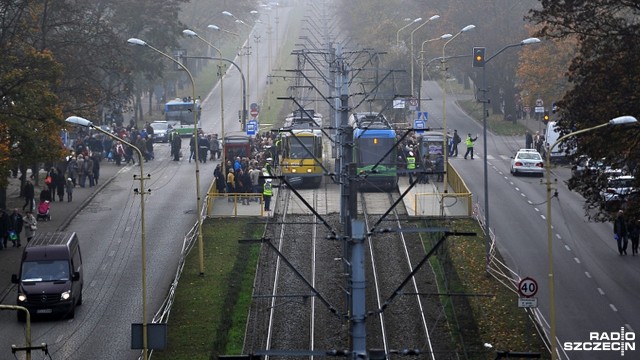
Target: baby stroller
x,y
43,211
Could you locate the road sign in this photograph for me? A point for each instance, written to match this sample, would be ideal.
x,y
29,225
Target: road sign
x,y
252,127
539,109
419,124
528,302
254,113
539,102
398,103
527,287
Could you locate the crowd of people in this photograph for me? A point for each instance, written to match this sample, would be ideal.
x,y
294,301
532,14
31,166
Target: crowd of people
x,y
246,174
12,226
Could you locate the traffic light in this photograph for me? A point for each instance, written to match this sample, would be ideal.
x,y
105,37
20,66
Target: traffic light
x,y
546,117
478,57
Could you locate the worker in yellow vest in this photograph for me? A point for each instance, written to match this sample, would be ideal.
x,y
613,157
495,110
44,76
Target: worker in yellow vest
x,y
469,142
411,165
267,193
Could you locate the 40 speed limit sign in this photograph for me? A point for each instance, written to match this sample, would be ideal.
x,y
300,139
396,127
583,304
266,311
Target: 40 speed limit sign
x,y
527,287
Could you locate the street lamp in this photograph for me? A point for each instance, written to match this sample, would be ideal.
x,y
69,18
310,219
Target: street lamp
x,y
444,110
422,63
236,19
404,27
138,42
76,120
487,228
552,308
217,28
434,17
190,33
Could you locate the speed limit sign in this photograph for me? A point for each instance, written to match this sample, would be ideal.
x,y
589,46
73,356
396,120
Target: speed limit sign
x,y
527,287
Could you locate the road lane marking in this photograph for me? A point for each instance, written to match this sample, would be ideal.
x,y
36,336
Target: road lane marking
x,y
587,274
576,260
601,291
613,307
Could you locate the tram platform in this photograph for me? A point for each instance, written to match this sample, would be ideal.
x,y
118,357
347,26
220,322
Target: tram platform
x,y
431,199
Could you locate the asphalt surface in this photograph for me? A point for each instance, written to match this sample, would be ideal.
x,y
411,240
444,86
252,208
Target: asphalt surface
x,y
61,215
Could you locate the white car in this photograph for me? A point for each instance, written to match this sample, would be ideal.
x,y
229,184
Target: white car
x,y
618,188
527,161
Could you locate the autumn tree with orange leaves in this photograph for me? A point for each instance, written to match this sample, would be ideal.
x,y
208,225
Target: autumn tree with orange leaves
x,y
604,80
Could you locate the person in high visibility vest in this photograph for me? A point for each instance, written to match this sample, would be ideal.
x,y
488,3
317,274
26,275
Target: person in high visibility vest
x,y
411,165
267,166
469,142
267,192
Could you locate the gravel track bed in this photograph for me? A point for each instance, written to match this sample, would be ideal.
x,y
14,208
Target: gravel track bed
x,y
292,315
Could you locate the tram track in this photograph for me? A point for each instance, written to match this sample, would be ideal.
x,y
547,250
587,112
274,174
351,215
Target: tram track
x,y
300,308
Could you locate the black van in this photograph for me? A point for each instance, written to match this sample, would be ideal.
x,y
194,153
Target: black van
x,y
50,279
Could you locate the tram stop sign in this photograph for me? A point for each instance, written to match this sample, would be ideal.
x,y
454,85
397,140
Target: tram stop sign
x,y
252,127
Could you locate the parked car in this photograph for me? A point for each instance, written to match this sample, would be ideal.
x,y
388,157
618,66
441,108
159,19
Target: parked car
x,y
617,190
527,161
161,131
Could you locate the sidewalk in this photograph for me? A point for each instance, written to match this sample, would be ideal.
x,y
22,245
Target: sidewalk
x,y
61,215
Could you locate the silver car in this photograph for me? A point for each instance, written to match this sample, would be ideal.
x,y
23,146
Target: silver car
x,y
161,131
527,161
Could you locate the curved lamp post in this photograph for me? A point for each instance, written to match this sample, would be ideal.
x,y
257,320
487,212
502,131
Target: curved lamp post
x,y
217,28
237,20
190,33
138,42
404,27
422,63
434,17
445,181
487,228
552,308
76,120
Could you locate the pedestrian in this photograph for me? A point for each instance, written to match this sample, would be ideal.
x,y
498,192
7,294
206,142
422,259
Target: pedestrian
x,y
267,193
220,181
70,186
203,148
469,142
634,236
620,232
411,166
176,144
427,169
231,184
254,174
29,193
72,169
4,228
30,225
51,181
439,168
456,140
45,194
88,169
214,148
246,187
15,227
61,182
82,177
118,152
528,142
192,148
96,170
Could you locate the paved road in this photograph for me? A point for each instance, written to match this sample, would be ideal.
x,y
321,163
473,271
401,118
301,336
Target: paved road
x,y
61,214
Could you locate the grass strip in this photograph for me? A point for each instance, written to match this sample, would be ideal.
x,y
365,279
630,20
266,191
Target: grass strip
x,y
209,312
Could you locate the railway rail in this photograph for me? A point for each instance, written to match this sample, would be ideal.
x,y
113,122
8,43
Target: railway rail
x,y
300,308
